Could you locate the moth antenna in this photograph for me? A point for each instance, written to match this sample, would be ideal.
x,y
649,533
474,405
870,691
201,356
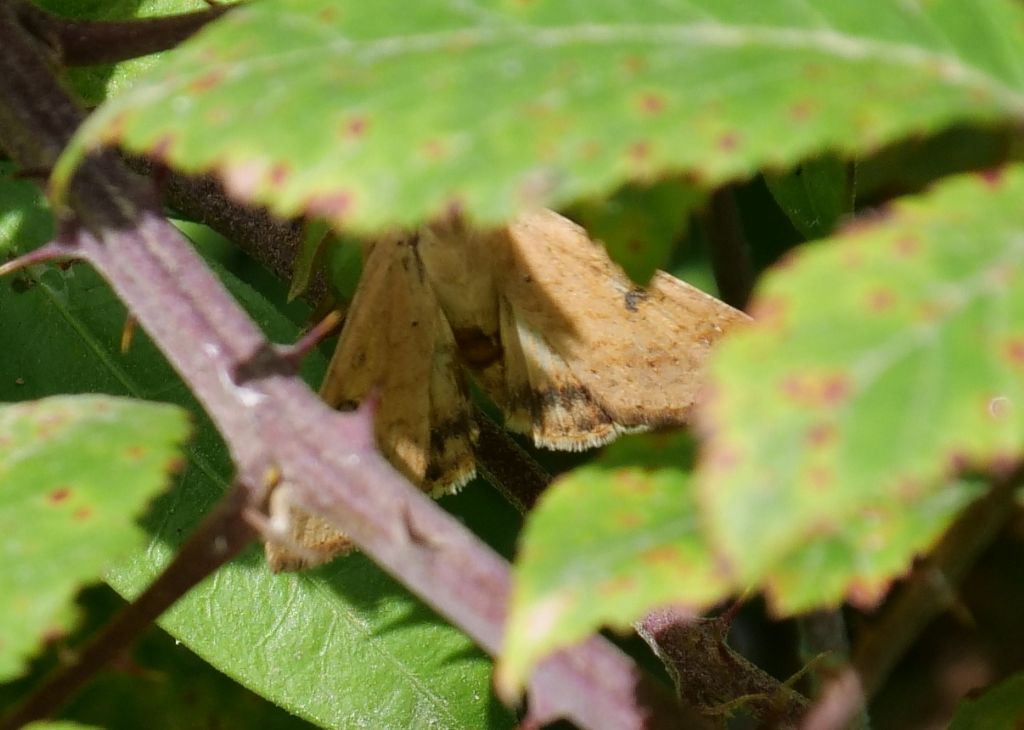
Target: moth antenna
x,y
49,252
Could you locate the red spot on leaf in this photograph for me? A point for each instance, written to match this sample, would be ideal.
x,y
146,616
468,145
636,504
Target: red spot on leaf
x,y
53,634
279,174
816,389
161,149
452,211
628,520
639,151
959,462
434,149
1014,351
59,495
243,179
1003,464
82,514
661,555
836,389
866,595
721,458
821,434
207,81
356,127
770,311
134,453
631,481
992,178
115,129
881,300
852,257
909,489
907,246
785,261
802,110
820,477
729,141
617,586
652,103
327,15
329,205
928,312
634,64
814,71
50,425
589,150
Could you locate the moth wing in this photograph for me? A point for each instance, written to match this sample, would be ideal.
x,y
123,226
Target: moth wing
x,y
397,341
396,344
637,352
310,541
544,398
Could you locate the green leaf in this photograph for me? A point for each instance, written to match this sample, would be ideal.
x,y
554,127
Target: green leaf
x,y
640,225
327,645
344,263
95,83
396,113
814,195
997,709
75,472
883,363
607,543
313,239
59,725
25,219
158,679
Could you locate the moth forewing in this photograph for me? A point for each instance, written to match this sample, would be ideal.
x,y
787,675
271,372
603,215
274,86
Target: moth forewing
x,y
564,414
395,343
637,353
306,542
398,342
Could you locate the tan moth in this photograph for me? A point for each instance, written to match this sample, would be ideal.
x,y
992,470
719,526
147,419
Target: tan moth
x,y
572,351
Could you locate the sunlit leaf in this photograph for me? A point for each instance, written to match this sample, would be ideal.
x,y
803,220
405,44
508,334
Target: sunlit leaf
x,y
375,114
882,364
75,472
607,543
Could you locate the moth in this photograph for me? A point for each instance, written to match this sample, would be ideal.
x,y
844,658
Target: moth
x,y
569,348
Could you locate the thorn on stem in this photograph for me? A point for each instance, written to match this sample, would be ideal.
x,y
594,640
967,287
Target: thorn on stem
x,y
296,353
48,252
